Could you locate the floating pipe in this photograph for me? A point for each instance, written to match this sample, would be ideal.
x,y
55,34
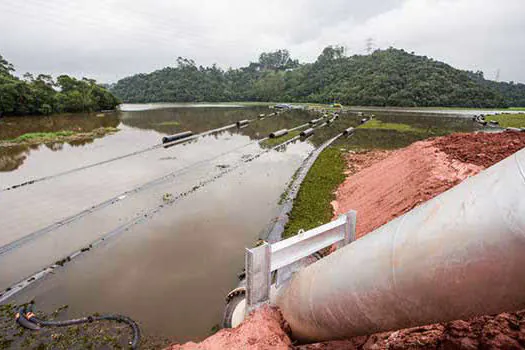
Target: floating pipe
x,y
241,123
348,131
261,115
307,132
279,133
459,255
175,137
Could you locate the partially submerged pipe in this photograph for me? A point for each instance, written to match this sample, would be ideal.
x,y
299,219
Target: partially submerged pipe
x,y
175,137
242,123
459,255
348,131
307,132
278,133
315,121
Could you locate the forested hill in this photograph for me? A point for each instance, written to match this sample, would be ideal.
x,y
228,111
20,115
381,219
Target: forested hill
x,y
44,95
389,77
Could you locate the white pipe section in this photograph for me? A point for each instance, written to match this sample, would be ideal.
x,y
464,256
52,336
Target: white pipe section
x,y
459,255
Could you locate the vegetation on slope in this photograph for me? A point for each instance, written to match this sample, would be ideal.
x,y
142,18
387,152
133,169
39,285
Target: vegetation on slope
x,y
509,120
43,95
34,138
377,124
312,206
389,77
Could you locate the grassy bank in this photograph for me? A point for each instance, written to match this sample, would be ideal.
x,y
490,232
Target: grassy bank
x,y
57,136
509,120
312,206
379,125
168,123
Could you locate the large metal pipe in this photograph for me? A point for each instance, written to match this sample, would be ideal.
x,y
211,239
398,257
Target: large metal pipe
x,y
459,255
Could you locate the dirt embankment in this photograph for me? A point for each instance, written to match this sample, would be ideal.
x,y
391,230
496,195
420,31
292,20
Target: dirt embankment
x,y
381,186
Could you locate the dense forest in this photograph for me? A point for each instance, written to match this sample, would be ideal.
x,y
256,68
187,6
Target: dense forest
x,y
389,77
43,95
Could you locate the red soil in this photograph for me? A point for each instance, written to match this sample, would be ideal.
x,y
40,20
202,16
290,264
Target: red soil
x,y
381,186
264,329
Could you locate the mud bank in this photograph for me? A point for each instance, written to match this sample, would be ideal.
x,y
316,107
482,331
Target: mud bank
x,y
37,138
382,185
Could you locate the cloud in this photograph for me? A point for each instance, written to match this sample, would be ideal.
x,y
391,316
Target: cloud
x,y
110,39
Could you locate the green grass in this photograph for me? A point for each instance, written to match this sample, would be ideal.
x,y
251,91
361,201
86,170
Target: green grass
x,y
508,120
274,142
168,123
377,124
59,136
42,136
312,206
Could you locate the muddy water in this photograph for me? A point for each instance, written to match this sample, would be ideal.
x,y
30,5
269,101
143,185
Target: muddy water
x,y
172,269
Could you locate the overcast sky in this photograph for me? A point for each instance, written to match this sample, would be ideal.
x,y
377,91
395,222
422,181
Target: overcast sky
x,y
110,39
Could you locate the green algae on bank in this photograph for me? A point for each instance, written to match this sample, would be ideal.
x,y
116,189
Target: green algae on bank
x,y
515,120
312,206
35,138
378,124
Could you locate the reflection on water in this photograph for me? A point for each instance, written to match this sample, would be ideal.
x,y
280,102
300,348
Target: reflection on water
x,y
12,157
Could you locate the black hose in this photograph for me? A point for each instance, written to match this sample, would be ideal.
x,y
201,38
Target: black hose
x,y
27,319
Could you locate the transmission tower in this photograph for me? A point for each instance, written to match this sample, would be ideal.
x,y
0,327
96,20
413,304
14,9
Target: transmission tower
x,y
369,45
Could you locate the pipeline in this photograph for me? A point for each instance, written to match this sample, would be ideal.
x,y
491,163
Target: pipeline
x,y
308,132
459,255
278,133
275,233
235,300
17,287
515,129
348,131
165,145
178,136
29,237
28,320
242,123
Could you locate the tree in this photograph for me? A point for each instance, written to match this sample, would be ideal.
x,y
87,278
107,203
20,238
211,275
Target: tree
x,y
42,95
277,60
385,77
6,68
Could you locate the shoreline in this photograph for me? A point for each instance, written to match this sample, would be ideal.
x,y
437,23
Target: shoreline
x,y
38,138
382,185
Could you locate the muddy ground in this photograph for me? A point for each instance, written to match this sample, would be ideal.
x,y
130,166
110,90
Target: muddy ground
x,y
382,185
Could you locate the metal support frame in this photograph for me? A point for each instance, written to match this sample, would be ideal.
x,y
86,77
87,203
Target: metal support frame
x,y
289,255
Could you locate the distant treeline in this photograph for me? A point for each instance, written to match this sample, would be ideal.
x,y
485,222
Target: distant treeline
x,y
389,77
43,95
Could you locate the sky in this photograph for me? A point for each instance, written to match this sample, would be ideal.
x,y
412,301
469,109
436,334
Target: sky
x,y
111,39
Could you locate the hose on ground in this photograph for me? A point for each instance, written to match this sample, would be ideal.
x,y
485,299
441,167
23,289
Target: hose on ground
x,y
27,319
